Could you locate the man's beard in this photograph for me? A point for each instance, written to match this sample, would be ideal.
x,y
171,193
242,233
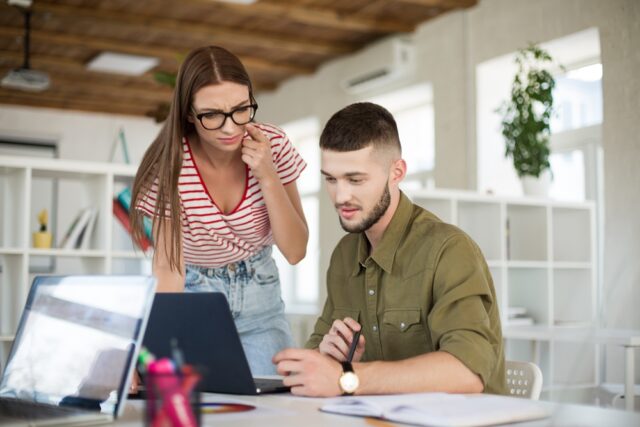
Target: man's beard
x,y
376,213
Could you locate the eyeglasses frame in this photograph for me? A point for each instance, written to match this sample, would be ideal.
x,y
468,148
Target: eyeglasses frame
x,y
228,115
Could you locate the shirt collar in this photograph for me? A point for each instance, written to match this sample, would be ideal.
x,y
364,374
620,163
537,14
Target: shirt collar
x,y
385,253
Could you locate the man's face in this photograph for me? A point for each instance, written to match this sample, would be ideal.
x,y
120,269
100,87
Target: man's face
x,y
358,186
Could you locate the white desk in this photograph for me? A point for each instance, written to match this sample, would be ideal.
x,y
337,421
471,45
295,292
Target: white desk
x,y
629,339
284,410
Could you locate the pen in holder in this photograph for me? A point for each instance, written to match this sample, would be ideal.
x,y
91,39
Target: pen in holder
x,y
173,399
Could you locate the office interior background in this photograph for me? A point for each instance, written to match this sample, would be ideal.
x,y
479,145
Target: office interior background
x,y
442,67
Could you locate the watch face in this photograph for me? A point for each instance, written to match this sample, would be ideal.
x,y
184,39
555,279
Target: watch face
x,y
349,382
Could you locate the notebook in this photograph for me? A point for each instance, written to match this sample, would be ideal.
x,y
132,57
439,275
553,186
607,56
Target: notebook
x,y
440,409
74,349
203,328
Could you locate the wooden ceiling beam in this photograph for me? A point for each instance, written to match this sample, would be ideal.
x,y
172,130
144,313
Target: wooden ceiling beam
x,y
77,86
48,101
443,4
121,46
213,33
321,17
66,65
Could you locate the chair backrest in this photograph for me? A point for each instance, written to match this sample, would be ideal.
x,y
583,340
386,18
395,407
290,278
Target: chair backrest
x,y
524,379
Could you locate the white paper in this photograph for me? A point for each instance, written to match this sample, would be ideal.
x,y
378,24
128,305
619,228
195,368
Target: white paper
x,y
440,409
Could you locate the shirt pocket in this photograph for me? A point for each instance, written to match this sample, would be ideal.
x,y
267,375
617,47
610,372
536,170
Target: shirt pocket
x,y
403,334
341,313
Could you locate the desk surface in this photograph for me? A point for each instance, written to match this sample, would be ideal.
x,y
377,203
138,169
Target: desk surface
x,y
285,410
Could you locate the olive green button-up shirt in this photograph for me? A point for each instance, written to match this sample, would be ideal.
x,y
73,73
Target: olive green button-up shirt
x,y
425,287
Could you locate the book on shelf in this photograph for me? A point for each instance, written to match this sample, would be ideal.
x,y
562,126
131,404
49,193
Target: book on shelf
x,y
87,233
440,409
513,311
124,197
123,217
72,237
518,316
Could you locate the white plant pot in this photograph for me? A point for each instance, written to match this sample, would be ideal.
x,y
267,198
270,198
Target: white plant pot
x,y
537,187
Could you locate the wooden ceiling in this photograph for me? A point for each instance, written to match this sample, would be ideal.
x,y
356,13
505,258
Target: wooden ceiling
x,y
275,39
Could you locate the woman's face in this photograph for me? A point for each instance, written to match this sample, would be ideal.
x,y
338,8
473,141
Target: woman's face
x,y
224,97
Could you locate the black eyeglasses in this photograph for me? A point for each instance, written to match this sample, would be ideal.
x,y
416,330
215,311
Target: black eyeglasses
x,y
213,120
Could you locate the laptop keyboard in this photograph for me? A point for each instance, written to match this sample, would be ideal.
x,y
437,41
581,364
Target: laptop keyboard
x,y
27,410
267,384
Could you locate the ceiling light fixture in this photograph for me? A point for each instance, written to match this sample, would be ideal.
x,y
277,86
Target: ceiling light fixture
x,y
121,63
24,78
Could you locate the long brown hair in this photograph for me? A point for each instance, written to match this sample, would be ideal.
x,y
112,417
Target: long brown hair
x,y
162,161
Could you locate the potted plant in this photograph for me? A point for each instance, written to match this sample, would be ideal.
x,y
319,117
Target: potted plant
x,y
525,119
162,110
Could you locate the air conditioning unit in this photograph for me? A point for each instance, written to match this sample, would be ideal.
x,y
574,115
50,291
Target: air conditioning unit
x,y
378,65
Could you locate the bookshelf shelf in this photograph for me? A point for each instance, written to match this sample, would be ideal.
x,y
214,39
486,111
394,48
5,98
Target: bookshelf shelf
x,y
129,255
64,188
541,254
68,253
10,251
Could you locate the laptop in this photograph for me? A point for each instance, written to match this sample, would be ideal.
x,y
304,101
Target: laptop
x,y
201,326
74,350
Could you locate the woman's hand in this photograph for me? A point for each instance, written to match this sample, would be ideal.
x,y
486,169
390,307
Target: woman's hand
x,y
256,153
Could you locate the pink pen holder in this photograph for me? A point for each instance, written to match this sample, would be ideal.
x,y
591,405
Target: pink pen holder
x,y
173,399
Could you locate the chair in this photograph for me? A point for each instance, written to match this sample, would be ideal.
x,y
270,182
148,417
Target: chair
x,y
524,379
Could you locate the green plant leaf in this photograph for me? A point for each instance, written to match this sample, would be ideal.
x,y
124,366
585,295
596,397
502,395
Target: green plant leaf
x,y
525,116
165,78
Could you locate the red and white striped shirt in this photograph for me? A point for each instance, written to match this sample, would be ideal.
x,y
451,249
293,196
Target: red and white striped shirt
x,y
211,238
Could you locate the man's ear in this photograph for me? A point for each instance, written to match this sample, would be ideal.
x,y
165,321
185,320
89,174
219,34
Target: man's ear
x,y
398,171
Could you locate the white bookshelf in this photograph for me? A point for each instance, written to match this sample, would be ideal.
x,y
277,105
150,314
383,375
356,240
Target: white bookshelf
x,y
78,184
542,256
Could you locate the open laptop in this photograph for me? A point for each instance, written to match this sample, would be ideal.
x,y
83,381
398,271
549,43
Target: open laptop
x,y
203,328
71,360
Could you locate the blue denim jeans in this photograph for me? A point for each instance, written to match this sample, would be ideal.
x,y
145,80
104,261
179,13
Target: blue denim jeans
x,y
252,288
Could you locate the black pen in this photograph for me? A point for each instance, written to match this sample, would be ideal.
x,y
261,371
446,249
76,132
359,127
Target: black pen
x,y
354,343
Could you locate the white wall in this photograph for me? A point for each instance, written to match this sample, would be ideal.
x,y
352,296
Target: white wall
x,y
449,49
79,136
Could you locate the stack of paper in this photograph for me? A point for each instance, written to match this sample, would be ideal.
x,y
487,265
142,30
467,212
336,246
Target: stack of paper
x,y
440,409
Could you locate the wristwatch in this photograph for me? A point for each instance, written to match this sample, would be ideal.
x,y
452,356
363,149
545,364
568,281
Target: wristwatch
x,y
349,381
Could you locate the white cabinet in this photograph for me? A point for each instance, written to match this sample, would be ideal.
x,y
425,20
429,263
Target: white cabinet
x,y
542,256
75,185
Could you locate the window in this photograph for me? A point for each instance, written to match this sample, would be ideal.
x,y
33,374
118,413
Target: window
x,y
575,127
300,282
412,108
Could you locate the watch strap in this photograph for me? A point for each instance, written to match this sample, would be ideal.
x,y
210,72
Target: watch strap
x,y
347,367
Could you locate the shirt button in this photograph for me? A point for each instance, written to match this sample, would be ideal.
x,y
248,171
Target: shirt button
x,y
402,325
372,292
375,328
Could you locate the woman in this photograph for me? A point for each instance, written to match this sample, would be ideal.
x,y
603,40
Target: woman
x,y
221,190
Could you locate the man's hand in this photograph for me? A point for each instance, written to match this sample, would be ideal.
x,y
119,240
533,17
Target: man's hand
x,y
337,342
308,372
135,382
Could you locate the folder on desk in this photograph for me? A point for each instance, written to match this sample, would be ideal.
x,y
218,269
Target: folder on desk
x,y
440,409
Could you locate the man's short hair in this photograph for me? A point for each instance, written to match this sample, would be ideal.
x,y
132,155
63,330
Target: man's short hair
x,y
358,126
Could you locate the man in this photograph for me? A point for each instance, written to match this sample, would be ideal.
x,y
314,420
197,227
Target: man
x,y
419,289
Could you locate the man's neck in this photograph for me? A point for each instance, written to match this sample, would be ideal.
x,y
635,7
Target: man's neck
x,y
376,231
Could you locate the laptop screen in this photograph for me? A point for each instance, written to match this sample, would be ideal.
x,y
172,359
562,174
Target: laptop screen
x,y
76,339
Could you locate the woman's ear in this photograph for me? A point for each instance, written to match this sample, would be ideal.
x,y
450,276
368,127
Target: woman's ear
x,y
398,171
